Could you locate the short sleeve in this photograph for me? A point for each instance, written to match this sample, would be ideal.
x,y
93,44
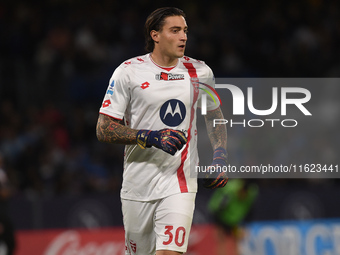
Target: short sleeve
x,y
117,95
207,87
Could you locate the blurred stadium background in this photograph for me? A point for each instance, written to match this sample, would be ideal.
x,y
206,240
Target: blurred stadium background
x,y
56,58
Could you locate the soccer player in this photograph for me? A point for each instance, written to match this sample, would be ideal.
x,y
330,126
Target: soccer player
x,y
150,105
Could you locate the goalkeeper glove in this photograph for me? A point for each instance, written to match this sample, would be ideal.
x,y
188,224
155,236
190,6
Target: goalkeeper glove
x,y
168,140
216,177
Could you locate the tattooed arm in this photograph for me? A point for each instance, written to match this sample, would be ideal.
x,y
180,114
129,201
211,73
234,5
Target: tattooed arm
x,y
217,134
110,130
218,139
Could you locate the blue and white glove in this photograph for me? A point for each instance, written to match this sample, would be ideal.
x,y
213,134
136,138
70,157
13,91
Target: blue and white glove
x,y
216,177
168,140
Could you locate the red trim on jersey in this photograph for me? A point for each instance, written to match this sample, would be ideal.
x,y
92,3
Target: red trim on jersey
x,y
168,69
180,172
110,116
191,69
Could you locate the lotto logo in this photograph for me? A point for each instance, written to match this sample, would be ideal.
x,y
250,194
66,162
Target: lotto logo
x,y
145,85
106,103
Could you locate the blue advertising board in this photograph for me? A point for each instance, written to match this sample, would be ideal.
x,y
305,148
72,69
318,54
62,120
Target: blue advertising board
x,y
312,237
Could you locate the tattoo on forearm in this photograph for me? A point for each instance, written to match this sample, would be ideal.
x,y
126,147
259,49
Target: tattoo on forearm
x,y
110,130
217,134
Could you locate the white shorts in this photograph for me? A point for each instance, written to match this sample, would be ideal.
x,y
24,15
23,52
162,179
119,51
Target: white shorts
x,y
162,224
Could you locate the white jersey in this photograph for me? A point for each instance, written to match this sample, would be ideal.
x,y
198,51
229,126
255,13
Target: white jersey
x,y
147,96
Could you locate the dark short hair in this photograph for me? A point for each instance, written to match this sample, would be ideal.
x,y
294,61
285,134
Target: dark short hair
x,y
155,21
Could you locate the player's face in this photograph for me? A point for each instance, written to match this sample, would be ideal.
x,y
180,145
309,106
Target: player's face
x,y
172,38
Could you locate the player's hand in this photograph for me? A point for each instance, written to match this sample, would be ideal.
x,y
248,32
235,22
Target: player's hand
x,y
216,177
168,140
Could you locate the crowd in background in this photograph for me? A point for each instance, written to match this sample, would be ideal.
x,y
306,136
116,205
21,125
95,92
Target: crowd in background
x,y
56,58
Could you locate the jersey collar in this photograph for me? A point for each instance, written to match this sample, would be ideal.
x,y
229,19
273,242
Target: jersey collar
x,y
167,68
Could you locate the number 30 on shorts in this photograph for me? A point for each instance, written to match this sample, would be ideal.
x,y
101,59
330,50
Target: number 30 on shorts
x,y
179,235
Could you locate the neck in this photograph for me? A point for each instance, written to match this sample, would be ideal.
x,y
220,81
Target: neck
x,y
163,60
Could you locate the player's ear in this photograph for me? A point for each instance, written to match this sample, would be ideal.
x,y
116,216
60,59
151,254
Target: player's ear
x,y
154,35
